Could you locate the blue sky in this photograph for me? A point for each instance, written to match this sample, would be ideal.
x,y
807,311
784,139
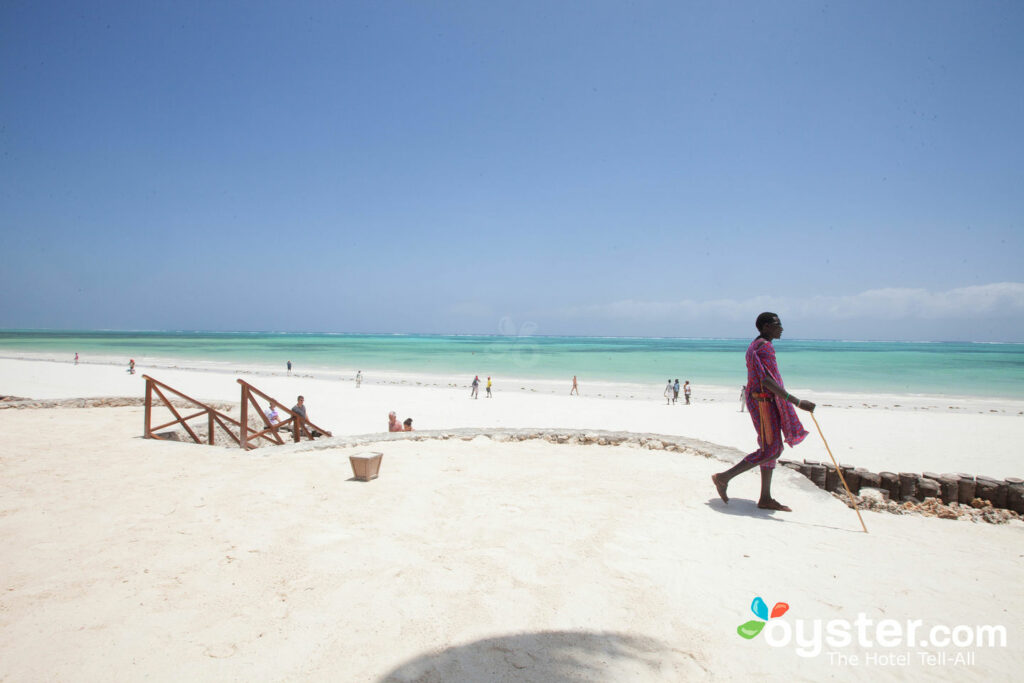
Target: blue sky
x,y
645,168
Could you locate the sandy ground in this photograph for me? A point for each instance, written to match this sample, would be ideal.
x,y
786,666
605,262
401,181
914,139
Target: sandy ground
x,y
126,558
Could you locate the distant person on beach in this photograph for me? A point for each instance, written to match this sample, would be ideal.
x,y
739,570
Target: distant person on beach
x,y
488,387
675,392
407,425
393,424
131,366
475,391
359,378
743,398
76,357
771,410
686,391
668,392
575,388
289,366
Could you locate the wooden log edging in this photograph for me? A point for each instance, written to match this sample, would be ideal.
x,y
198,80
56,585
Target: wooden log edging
x,y
910,487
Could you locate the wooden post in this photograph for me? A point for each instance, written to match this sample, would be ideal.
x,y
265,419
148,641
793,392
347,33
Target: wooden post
x,y
908,485
891,483
209,419
146,434
818,475
950,488
965,488
244,417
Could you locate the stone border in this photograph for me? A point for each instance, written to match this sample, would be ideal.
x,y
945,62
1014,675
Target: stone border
x,y
978,511
95,402
592,437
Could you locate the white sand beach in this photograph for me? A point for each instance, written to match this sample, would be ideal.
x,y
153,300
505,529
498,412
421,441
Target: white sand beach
x,y
880,432
477,559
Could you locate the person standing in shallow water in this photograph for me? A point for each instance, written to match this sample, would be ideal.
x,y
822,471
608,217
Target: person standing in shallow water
x,y
772,411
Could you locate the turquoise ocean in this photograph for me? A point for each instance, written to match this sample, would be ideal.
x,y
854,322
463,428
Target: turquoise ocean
x,y
988,370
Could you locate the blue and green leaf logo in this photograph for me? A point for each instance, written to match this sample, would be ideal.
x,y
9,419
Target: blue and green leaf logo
x,y
760,610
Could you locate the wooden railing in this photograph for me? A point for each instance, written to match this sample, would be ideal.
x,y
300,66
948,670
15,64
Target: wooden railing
x,y
213,416
246,436
298,424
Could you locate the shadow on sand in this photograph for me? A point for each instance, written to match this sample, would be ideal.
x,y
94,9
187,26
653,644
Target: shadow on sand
x,y
552,656
744,507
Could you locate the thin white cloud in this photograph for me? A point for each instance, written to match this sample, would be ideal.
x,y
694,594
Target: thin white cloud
x,y
893,303
470,309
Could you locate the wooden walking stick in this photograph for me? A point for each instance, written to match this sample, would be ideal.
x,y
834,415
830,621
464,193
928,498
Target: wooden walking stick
x,y
840,472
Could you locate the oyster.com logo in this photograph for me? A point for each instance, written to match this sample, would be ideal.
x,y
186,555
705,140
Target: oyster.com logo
x,y
760,610
901,642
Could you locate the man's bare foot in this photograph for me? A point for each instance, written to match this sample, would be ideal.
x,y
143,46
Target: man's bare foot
x,y
721,488
772,504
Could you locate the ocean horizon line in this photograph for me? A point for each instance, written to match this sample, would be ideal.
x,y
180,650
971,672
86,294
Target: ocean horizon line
x,y
490,335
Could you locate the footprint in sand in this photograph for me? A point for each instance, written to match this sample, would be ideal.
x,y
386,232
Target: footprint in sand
x,y
221,651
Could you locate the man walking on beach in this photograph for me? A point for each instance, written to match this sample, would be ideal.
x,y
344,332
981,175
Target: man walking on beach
x,y
771,409
475,391
575,389
488,387
675,392
289,366
686,391
668,392
359,378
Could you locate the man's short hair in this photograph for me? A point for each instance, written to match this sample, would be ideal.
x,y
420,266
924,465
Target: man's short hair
x,y
764,319
301,398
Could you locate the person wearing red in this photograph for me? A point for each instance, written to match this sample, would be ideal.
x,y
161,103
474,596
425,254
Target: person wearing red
x,y
772,411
